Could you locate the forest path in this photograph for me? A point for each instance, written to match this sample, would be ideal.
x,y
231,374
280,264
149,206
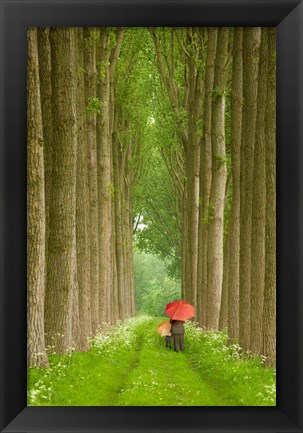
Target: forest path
x,y
163,377
130,366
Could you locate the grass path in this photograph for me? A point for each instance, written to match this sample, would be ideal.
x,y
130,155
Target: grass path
x,y
132,367
164,377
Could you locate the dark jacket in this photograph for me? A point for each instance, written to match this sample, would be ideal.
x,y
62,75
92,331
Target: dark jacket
x,y
177,327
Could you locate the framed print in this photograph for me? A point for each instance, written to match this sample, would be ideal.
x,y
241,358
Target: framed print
x,y
67,219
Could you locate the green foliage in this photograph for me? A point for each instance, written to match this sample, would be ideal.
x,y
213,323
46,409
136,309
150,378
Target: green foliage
x,y
220,161
161,233
102,66
227,212
209,214
112,37
216,92
81,71
154,288
114,192
92,39
182,117
94,106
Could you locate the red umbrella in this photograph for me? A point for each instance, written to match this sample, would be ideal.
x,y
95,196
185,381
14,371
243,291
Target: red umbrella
x,y
179,310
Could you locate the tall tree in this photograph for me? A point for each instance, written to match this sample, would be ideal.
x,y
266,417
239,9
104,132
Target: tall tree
x,y
82,203
269,314
186,106
118,290
192,162
205,176
91,37
234,218
223,320
104,181
46,107
258,206
36,354
61,252
119,165
217,192
251,42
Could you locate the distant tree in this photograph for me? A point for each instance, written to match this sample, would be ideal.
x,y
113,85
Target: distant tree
x,y
154,288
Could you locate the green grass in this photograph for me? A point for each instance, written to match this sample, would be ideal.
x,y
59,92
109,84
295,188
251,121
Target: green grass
x,y
130,366
243,380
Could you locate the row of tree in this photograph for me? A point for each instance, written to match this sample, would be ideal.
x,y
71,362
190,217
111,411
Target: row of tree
x,y
81,165
169,133
216,104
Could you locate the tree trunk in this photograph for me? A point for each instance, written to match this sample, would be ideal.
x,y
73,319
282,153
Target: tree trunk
x,y
46,106
251,42
205,176
258,207
127,247
192,166
104,183
269,315
60,275
223,321
217,193
91,92
36,354
118,178
234,217
82,204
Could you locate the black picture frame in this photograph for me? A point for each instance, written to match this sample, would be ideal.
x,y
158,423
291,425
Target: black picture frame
x,y
16,16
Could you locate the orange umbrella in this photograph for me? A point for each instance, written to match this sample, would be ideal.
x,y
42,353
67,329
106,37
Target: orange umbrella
x,y
164,328
179,310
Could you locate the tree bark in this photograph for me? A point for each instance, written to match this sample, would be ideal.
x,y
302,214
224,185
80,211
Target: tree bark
x,y
251,42
258,207
205,176
269,314
82,204
192,166
46,106
223,321
36,354
91,92
60,275
104,183
234,217
217,193
118,178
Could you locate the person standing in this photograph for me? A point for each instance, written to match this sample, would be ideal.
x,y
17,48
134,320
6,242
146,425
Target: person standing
x,y
177,330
